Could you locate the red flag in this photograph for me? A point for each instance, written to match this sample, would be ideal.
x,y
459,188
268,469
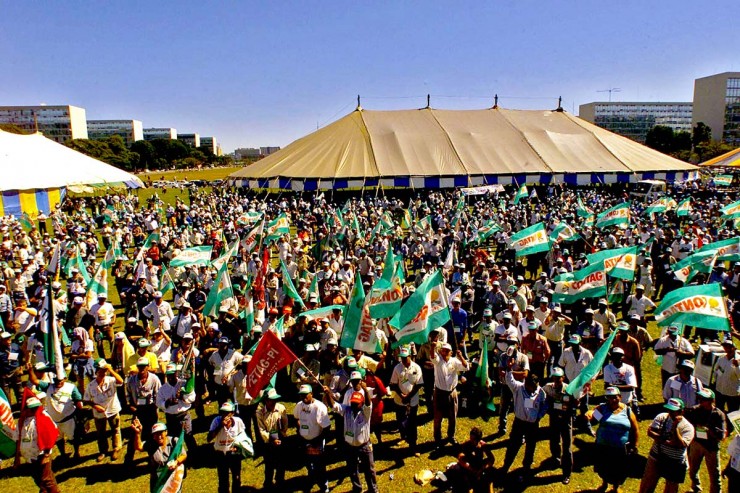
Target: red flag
x,y
47,430
270,357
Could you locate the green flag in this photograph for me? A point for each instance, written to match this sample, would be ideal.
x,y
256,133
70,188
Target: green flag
x,y
276,228
727,250
288,286
200,255
387,291
684,207
563,232
699,262
359,330
8,428
619,215
220,291
522,193
166,284
582,210
618,262
657,207
171,480
424,311
722,180
699,306
530,240
482,375
589,282
26,221
485,231
576,385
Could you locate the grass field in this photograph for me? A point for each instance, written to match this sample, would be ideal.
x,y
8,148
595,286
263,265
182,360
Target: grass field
x,y
394,466
200,174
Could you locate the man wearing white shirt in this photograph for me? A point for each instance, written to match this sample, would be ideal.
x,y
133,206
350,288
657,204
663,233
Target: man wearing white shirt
x,y
105,317
175,402
159,312
312,420
446,369
101,393
224,361
406,381
727,383
620,375
673,348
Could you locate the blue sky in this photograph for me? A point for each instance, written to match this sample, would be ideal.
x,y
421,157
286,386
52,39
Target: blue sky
x,y
266,73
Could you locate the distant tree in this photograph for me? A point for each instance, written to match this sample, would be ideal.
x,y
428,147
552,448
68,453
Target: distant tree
x,y
111,150
147,154
681,141
701,133
660,138
12,129
711,149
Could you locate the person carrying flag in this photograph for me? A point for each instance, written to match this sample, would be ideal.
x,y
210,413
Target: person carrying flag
x,y
37,435
161,450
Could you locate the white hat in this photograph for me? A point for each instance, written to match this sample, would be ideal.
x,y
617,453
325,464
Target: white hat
x,y
447,346
158,428
158,294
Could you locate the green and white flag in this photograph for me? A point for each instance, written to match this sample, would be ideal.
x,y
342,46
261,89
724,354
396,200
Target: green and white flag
x,y
592,370
563,232
699,306
616,292
722,180
387,293
407,220
252,240
481,373
731,211
522,193
288,287
247,313
170,481
324,311
424,223
657,207
619,215
359,331
582,210
727,250
200,255
589,282
249,218
701,261
220,291
8,428
276,228
531,240
230,252
684,207
424,311
166,284
589,221
618,262
97,285
147,245
485,231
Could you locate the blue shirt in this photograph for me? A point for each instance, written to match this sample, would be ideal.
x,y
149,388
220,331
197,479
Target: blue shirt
x,y
528,407
459,319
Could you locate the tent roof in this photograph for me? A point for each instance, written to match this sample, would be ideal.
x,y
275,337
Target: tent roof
x,y
731,158
33,162
387,145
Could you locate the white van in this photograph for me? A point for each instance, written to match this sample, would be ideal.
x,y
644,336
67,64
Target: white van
x,y
648,190
706,358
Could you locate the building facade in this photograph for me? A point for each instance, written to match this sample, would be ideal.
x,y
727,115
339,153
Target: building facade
x,y
193,140
210,143
129,130
635,119
717,104
58,123
160,133
247,153
266,151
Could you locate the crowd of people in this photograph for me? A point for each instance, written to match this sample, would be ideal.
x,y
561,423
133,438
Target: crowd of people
x,y
163,362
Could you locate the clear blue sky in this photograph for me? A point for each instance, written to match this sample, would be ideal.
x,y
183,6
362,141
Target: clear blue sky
x,y
265,73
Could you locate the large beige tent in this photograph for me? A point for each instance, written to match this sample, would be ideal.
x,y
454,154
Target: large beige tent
x,y
429,148
37,171
728,160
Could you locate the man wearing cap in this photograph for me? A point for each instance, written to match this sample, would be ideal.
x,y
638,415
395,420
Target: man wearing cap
x,y
638,303
529,407
158,312
684,386
591,331
535,346
573,360
561,407
543,310
620,375
105,317
159,448
671,434
183,323
175,402
6,306
406,381
446,370
526,321
487,332
10,361
272,420
459,319
504,330
101,394
224,362
710,429
223,432
312,421
62,403
142,351
519,369
37,437
77,315
554,331
359,449
143,387
673,348
605,316
727,374
246,404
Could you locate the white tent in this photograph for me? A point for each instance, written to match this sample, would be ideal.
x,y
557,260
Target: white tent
x,y
429,148
36,171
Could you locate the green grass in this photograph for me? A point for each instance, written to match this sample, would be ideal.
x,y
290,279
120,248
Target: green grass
x,y
200,174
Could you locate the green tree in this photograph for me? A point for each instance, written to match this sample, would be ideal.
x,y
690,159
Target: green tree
x,y
660,138
711,149
12,128
681,141
146,152
701,133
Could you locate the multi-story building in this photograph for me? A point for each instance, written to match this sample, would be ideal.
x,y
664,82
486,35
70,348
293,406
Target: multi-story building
x,y
59,123
193,140
717,104
160,133
129,130
246,153
266,151
635,119
210,143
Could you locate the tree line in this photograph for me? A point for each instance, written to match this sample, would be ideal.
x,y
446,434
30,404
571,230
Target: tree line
x,y
696,146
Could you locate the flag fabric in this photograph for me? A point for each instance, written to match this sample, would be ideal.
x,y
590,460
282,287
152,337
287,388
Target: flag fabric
x,y
481,373
170,481
220,291
247,218
449,262
563,232
147,245
485,231
424,311
727,250
166,284
618,262
722,180
270,357
589,282
619,215
589,221
575,386
657,207
684,207
322,312
8,428
386,295
288,286
50,330
230,252
530,240
53,266
521,194
359,331
424,223
699,262
582,210
731,211
97,285
699,306
252,240
276,228
407,220
247,314
616,292
200,255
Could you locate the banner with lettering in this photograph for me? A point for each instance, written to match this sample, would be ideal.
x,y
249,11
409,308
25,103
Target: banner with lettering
x,y
270,357
589,282
699,306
